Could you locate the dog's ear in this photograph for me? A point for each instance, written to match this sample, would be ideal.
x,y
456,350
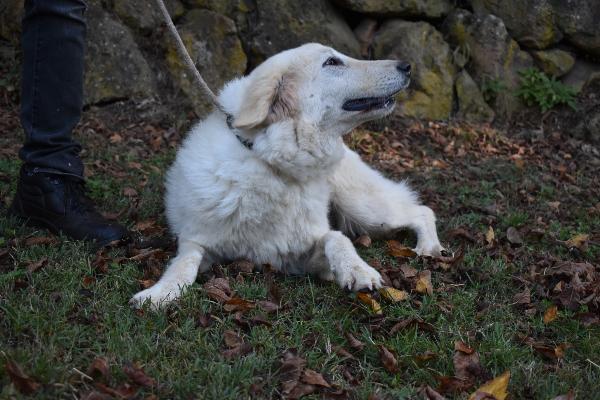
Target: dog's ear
x,y
269,98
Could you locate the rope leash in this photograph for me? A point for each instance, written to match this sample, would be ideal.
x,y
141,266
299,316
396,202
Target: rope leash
x,y
197,78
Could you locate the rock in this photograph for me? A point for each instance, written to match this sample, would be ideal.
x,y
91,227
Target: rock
x,y
471,105
580,22
214,46
495,58
114,66
286,24
582,72
10,19
226,7
430,92
365,32
144,15
554,62
532,23
398,8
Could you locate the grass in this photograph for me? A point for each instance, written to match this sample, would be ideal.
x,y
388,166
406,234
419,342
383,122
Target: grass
x,y
54,322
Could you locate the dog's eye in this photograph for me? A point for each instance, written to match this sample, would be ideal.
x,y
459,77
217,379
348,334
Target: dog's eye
x,y
332,61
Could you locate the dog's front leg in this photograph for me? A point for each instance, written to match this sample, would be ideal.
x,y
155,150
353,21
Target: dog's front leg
x,y
345,265
180,273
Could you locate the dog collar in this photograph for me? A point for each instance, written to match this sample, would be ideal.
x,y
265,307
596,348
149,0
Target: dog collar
x,y
245,142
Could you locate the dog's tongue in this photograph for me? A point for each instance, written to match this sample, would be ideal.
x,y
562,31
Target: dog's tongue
x,y
362,104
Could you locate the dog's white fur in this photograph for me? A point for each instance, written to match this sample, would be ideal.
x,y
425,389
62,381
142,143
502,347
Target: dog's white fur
x,y
270,204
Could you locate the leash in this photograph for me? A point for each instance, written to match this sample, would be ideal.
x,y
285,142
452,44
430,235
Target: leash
x,y
197,78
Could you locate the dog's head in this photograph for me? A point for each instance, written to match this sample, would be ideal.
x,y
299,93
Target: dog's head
x,y
321,87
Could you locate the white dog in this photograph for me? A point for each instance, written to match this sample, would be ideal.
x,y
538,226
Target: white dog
x,y
263,190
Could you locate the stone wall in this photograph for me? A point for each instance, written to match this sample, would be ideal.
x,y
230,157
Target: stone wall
x,y
458,48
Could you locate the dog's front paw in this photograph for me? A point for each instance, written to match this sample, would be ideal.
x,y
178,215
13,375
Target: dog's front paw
x,y
359,276
433,249
158,296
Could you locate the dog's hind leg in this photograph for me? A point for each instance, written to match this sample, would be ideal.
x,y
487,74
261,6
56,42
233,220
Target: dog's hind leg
x,y
366,202
336,259
180,273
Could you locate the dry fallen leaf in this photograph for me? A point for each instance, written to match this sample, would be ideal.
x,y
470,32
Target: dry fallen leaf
x,y
370,302
578,241
424,283
268,306
137,375
408,271
497,387
513,236
393,295
37,265
99,369
428,393
232,339
388,360
490,235
238,304
569,396
396,249
551,314
129,192
314,378
459,345
218,289
363,241
354,342
22,381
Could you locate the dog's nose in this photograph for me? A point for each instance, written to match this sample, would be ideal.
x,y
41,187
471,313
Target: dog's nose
x,y
403,67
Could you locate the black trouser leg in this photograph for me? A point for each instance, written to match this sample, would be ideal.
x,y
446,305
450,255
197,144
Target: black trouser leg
x,y
52,84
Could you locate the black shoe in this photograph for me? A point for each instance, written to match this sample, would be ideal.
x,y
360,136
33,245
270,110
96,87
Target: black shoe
x,y
59,203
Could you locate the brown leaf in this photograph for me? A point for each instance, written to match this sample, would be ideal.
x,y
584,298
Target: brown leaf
x,y
23,383
396,249
424,283
467,365
427,393
523,297
452,384
99,369
124,391
290,372
314,378
37,265
496,387
88,281
95,395
238,304
388,360
40,240
550,314
513,236
569,396
342,352
363,241
419,323
426,356
393,295
237,351
370,302
268,306
408,271
244,266
232,339
203,320
354,342
218,289
130,192
137,375
459,345
578,241
146,283
490,236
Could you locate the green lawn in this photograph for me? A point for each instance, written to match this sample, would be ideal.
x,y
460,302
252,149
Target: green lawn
x,y
56,320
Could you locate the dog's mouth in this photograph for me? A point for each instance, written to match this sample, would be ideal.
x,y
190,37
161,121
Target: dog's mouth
x,y
367,104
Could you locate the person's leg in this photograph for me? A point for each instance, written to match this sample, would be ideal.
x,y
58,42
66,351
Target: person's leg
x,y
50,189
53,44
